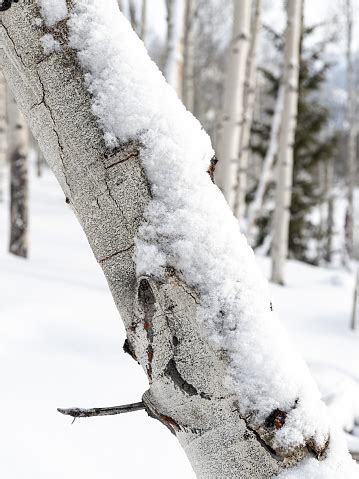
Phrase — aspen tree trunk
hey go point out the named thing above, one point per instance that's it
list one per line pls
(232, 115)
(111, 192)
(3, 133)
(188, 71)
(133, 14)
(265, 175)
(173, 65)
(18, 153)
(249, 103)
(287, 134)
(352, 137)
(39, 162)
(143, 33)
(329, 175)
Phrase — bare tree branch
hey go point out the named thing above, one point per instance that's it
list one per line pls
(102, 411)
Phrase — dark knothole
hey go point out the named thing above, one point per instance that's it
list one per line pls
(6, 4)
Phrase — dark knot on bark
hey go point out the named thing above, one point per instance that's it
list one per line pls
(6, 4)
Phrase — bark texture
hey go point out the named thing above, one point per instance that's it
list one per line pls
(285, 154)
(18, 153)
(108, 192)
(233, 108)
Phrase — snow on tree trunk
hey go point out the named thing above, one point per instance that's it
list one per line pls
(286, 142)
(188, 70)
(352, 136)
(233, 108)
(3, 133)
(132, 161)
(256, 206)
(18, 152)
(249, 103)
(173, 65)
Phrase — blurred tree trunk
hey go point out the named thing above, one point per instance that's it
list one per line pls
(256, 205)
(286, 141)
(133, 15)
(233, 108)
(39, 162)
(3, 133)
(188, 71)
(173, 64)
(18, 153)
(352, 136)
(329, 176)
(249, 103)
(143, 33)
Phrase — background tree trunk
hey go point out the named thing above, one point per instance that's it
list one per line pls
(352, 136)
(3, 133)
(188, 70)
(265, 174)
(329, 176)
(18, 153)
(249, 104)
(143, 34)
(133, 15)
(285, 155)
(173, 65)
(232, 116)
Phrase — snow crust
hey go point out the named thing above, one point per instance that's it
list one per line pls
(53, 11)
(189, 226)
(49, 44)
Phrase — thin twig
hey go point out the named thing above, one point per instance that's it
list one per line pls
(102, 411)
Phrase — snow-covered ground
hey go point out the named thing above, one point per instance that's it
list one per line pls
(61, 345)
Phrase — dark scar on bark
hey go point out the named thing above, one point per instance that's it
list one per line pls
(212, 167)
(172, 372)
(276, 419)
(147, 301)
(6, 4)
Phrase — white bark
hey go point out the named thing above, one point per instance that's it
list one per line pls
(173, 65)
(3, 133)
(352, 136)
(256, 206)
(249, 103)
(108, 192)
(287, 134)
(188, 71)
(232, 115)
